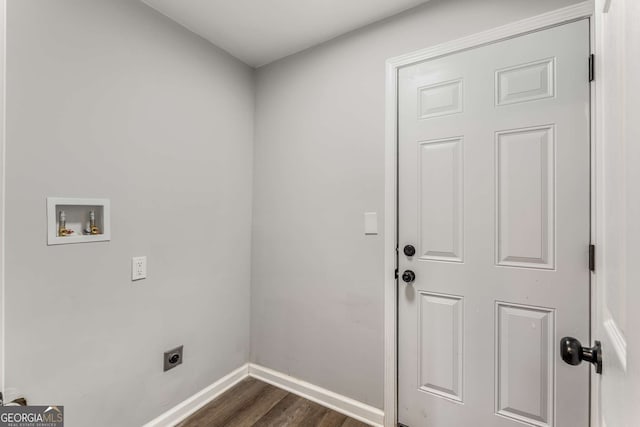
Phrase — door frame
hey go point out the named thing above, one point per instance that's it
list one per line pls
(3, 152)
(584, 10)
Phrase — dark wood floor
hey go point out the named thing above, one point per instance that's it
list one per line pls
(254, 403)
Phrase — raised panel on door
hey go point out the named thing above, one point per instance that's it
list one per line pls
(525, 165)
(440, 99)
(525, 363)
(525, 82)
(440, 193)
(440, 345)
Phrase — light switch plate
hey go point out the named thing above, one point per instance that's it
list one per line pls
(370, 223)
(138, 268)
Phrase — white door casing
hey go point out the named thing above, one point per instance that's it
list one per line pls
(616, 399)
(494, 194)
(3, 41)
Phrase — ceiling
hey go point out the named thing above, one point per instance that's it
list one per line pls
(261, 31)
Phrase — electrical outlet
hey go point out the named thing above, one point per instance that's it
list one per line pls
(172, 358)
(139, 268)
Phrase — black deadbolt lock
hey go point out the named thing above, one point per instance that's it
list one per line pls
(574, 353)
(408, 276)
(409, 250)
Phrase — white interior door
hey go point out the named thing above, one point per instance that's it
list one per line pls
(494, 195)
(617, 278)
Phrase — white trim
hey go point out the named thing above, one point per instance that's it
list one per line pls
(596, 191)
(345, 405)
(518, 28)
(3, 157)
(182, 410)
(342, 404)
(618, 342)
(514, 29)
(390, 253)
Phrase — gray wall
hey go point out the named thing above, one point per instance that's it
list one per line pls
(107, 98)
(317, 281)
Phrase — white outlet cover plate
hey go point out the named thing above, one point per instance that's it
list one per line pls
(138, 268)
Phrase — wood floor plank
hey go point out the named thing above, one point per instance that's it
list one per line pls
(332, 419)
(223, 408)
(252, 403)
(350, 422)
(260, 406)
(293, 411)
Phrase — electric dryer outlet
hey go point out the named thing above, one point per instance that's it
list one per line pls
(173, 358)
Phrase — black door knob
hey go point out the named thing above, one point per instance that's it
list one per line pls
(409, 250)
(574, 353)
(408, 276)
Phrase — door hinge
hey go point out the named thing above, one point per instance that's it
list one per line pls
(592, 67)
(592, 258)
(396, 273)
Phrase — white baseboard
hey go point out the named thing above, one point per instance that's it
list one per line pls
(182, 410)
(344, 405)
